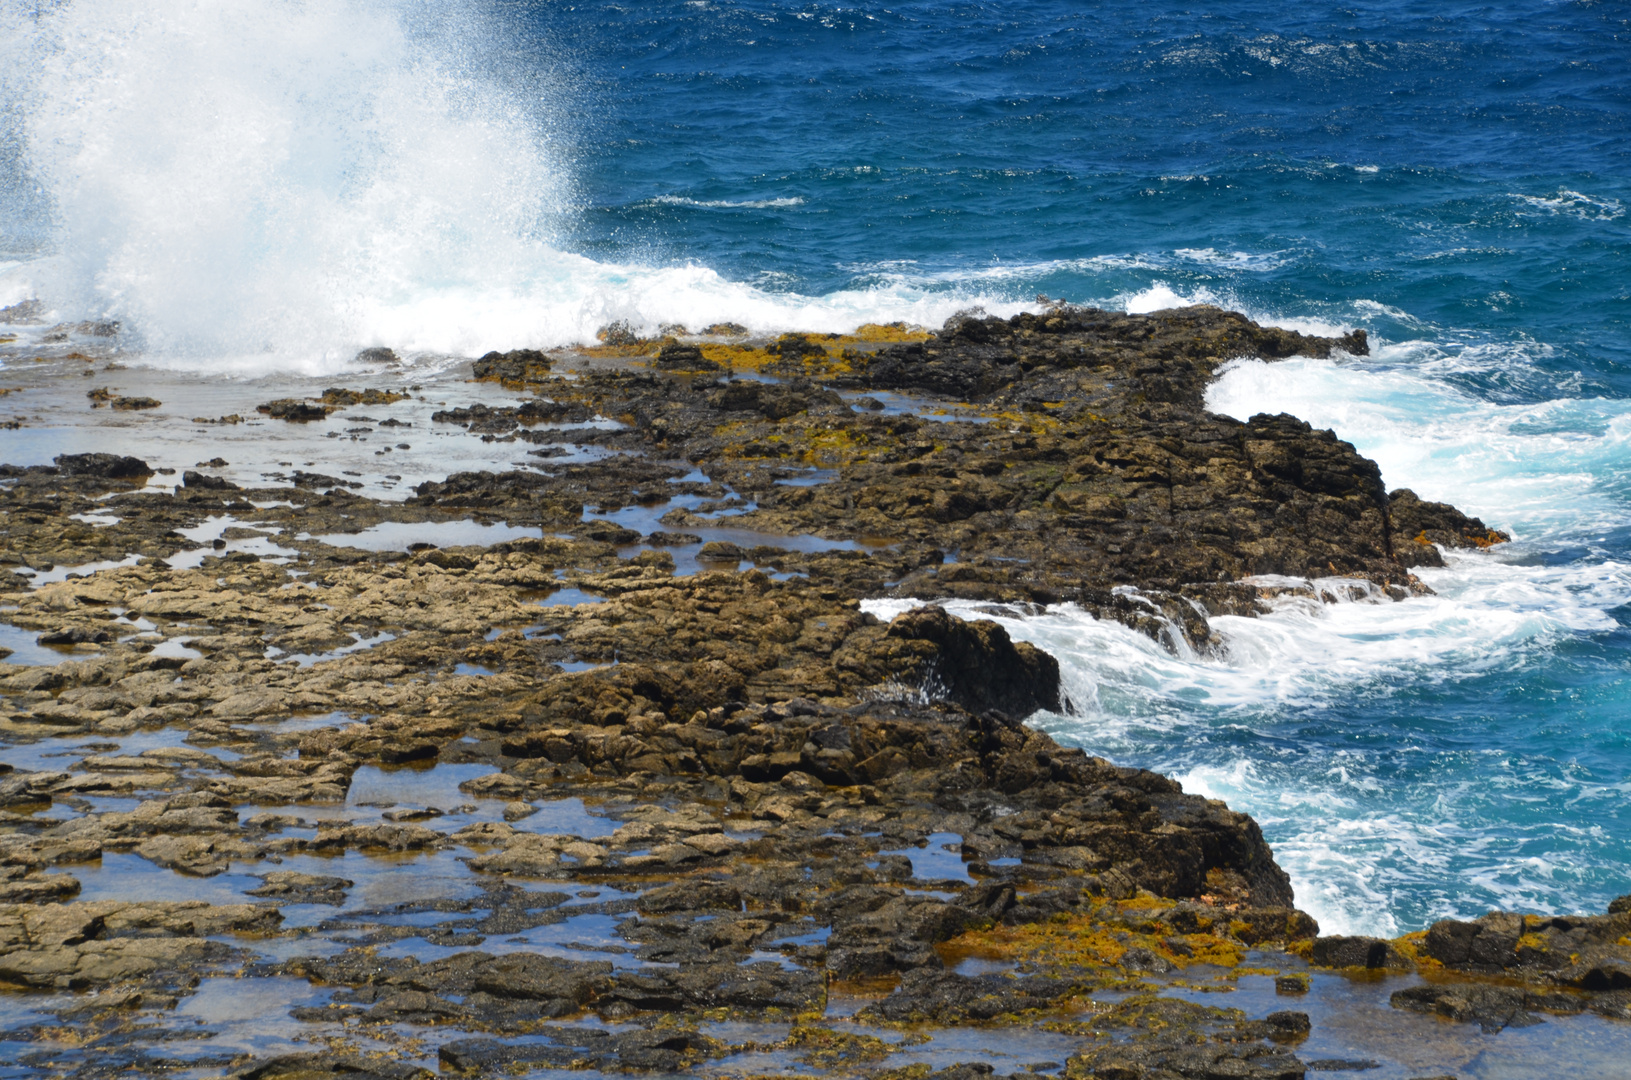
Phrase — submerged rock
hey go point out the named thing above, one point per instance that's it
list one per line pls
(1490, 1007)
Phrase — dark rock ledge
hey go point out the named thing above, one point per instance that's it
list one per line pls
(808, 803)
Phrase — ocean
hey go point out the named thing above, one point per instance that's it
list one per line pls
(255, 187)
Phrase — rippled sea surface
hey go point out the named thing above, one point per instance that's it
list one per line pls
(260, 187)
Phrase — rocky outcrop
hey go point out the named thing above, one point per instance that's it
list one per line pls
(295, 410)
(939, 657)
(103, 466)
(515, 366)
(1420, 528)
(1101, 481)
(1586, 952)
(1171, 356)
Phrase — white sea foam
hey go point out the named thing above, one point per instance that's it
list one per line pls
(253, 175)
(1248, 261)
(1352, 850)
(1161, 295)
(1574, 204)
(727, 204)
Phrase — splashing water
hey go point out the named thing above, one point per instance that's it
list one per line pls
(247, 177)
(251, 184)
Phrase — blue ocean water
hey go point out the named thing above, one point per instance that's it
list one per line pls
(256, 184)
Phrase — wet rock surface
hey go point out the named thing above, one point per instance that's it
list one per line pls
(636, 785)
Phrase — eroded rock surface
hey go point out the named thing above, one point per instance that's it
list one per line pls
(666, 783)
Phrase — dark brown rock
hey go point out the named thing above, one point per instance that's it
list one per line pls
(1418, 525)
(103, 466)
(1490, 1007)
(1362, 952)
(974, 664)
(678, 357)
(293, 409)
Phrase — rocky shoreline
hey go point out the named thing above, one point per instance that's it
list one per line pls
(682, 794)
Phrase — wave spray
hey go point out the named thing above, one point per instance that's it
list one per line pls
(242, 178)
(263, 185)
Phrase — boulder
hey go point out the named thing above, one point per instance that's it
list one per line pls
(103, 466)
(1360, 952)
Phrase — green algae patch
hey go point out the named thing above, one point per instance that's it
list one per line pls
(825, 1048)
(824, 446)
(835, 446)
(1155, 1014)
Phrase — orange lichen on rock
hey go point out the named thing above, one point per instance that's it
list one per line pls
(1100, 937)
(792, 353)
(1410, 946)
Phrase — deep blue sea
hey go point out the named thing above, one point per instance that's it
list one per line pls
(254, 186)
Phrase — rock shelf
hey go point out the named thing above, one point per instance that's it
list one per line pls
(421, 808)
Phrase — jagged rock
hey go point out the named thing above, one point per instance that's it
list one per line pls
(191, 478)
(678, 357)
(944, 997)
(196, 855)
(517, 365)
(1419, 525)
(343, 398)
(71, 946)
(636, 1051)
(563, 986)
(18, 886)
(974, 664)
(76, 635)
(691, 896)
(744, 987)
(1202, 1063)
(1575, 950)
